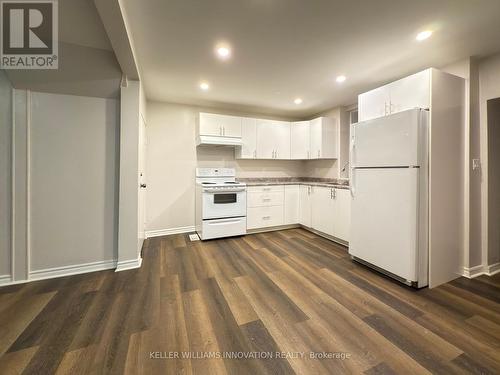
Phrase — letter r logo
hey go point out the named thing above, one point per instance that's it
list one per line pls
(27, 27)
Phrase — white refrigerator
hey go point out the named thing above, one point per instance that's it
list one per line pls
(389, 188)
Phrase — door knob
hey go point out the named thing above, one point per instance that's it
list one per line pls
(143, 186)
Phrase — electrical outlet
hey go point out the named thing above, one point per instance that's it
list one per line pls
(476, 164)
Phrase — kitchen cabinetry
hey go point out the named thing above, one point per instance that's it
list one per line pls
(248, 149)
(273, 139)
(212, 124)
(265, 206)
(268, 139)
(292, 204)
(300, 140)
(341, 213)
(322, 206)
(407, 93)
(324, 138)
(305, 192)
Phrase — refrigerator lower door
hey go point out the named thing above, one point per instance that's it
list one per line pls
(397, 140)
(384, 219)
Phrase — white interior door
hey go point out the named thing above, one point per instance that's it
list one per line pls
(384, 219)
(142, 180)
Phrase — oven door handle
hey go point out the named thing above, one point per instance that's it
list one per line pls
(224, 221)
(223, 191)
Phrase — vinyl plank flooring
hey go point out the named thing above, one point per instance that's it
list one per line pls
(288, 293)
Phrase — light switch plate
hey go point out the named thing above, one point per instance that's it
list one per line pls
(476, 164)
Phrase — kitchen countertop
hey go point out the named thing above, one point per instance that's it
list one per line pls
(268, 181)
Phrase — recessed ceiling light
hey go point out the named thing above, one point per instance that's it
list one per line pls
(204, 86)
(423, 35)
(298, 101)
(341, 79)
(223, 52)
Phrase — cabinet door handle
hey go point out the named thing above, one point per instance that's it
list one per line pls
(266, 217)
(276, 154)
(223, 130)
(220, 130)
(308, 154)
(390, 107)
(266, 199)
(319, 153)
(255, 154)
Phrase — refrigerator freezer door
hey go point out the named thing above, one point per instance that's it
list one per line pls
(389, 141)
(384, 219)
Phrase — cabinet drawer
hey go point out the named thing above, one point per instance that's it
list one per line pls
(265, 189)
(272, 198)
(262, 217)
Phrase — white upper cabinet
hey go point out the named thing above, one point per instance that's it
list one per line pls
(374, 103)
(324, 138)
(411, 92)
(248, 149)
(407, 93)
(300, 140)
(212, 124)
(273, 139)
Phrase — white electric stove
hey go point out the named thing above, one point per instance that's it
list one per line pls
(221, 203)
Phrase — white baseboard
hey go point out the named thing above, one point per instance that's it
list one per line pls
(128, 264)
(166, 232)
(493, 269)
(50, 273)
(5, 279)
(488, 270)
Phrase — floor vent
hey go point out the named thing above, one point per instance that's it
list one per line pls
(194, 237)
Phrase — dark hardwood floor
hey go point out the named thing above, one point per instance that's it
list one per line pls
(275, 298)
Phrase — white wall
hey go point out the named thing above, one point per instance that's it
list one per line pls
(129, 241)
(5, 173)
(489, 88)
(73, 180)
(171, 160)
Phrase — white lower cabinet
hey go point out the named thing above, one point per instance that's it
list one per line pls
(265, 206)
(342, 214)
(305, 205)
(292, 204)
(325, 209)
(322, 209)
(262, 217)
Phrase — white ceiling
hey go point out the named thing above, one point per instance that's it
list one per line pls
(87, 63)
(283, 49)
